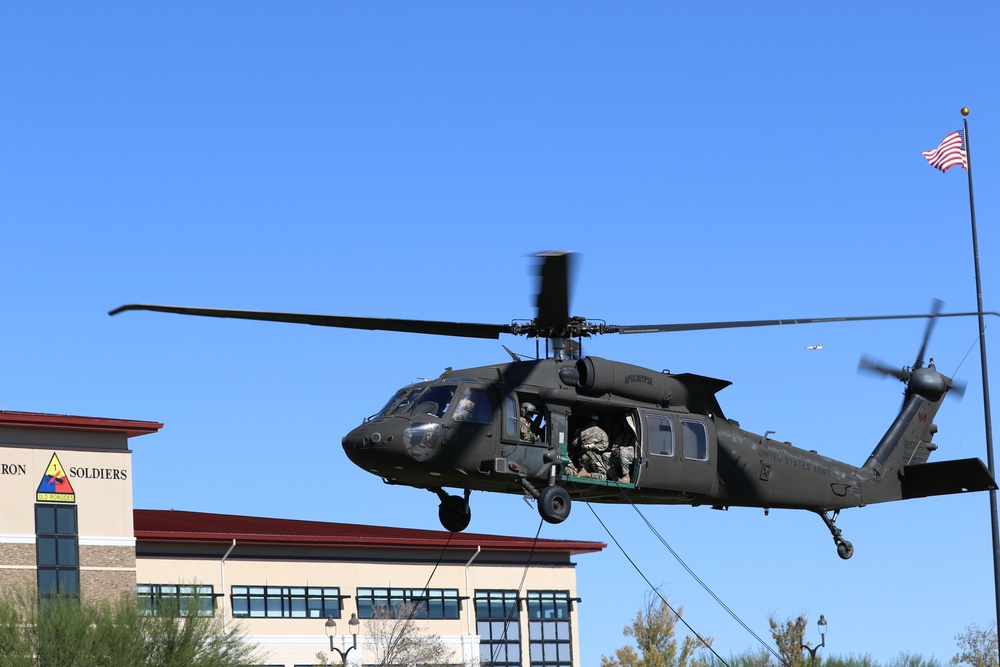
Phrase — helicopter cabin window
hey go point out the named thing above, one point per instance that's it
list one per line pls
(474, 406)
(660, 434)
(695, 440)
(435, 400)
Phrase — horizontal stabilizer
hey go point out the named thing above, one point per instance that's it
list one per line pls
(945, 477)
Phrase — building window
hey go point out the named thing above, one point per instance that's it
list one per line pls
(431, 603)
(498, 627)
(286, 602)
(182, 600)
(57, 545)
(549, 641)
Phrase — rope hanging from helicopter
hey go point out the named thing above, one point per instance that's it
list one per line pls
(698, 579)
(657, 592)
(520, 587)
(390, 650)
(690, 571)
(509, 618)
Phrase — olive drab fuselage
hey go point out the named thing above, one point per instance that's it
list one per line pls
(462, 430)
(558, 428)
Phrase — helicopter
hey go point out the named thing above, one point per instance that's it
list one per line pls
(526, 426)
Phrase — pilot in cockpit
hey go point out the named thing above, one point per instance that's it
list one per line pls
(529, 422)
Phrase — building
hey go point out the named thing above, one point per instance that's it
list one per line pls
(69, 526)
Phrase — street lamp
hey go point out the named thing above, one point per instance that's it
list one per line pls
(331, 631)
(821, 624)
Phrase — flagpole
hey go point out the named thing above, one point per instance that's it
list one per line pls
(982, 357)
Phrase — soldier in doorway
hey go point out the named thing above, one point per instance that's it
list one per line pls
(587, 452)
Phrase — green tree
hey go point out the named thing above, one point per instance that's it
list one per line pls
(977, 646)
(788, 636)
(59, 631)
(395, 638)
(654, 631)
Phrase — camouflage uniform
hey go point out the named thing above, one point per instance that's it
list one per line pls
(526, 433)
(591, 444)
(618, 462)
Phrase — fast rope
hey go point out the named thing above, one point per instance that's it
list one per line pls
(510, 615)
(413, 608)
(701, 583)
(652, 587)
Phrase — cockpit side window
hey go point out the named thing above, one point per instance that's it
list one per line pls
(435, 400)
(510, 418)
(474, 406)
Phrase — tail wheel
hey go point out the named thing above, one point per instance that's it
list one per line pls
(554, 504)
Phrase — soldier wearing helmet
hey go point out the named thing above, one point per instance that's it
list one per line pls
(587, 450)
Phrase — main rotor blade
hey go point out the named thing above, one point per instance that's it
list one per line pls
(936, 306)
(463, 329)
(700, 326)
(553, 291)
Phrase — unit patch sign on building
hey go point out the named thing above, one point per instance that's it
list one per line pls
(55, 486)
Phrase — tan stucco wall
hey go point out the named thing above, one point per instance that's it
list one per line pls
(102, 486)
(296, 641)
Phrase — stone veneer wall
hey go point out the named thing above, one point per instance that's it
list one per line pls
(106, 572)
(17, 576)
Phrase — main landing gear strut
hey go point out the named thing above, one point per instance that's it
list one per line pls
(455, 515)
(553, 501)
(454, 512)
(844, 548)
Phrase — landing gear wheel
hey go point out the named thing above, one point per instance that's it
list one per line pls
(554, 504)
(844, 548)
(454, 513)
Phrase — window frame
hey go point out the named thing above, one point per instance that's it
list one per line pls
(499, 633)
(282, 601)
(550, 628)
(65, 546)
(650, 434)
(183, 598)
(700, 439)
(431, 603)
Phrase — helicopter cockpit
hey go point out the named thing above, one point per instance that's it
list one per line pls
(473, 405)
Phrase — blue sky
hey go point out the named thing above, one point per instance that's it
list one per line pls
(710, 161)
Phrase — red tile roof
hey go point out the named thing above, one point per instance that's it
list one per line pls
(204, 528)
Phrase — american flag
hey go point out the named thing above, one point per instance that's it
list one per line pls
(950, 153)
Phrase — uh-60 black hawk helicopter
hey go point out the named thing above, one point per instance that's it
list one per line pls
(513, 427)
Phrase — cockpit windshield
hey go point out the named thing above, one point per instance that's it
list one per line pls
(435, 400)
(423, 398)
(401, 400)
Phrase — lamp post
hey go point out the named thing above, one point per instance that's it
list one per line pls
(331, 631)
(821, 624)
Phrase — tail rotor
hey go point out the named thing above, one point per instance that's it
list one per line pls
(924, 381)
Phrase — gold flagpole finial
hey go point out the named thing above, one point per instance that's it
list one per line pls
(965, 111)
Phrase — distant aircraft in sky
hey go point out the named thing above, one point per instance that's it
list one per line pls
(818, 346)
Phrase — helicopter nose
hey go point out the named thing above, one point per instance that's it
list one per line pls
(361, 447)
(363, 438)
(393, 442)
